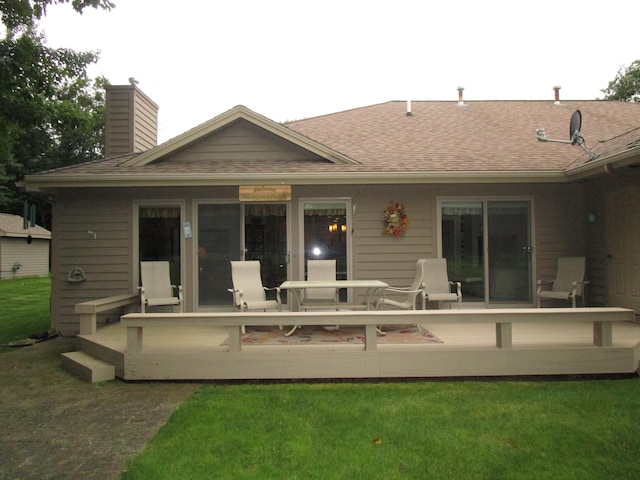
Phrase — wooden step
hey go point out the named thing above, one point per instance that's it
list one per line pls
(87, 367)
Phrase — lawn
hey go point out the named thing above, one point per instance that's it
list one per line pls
(569, 429)
(24, 309)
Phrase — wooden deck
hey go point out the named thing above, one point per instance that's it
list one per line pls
(195, 350)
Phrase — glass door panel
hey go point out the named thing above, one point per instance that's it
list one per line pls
(463, 247)
(509, 251)
(325, 236)
(218, 242)
(265, 239)
(159, 237)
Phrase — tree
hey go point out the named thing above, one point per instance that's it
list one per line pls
(626, 85)
(51, 113)
(22, 13)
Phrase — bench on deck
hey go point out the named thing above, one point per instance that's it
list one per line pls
(600, 317)
(88, 311)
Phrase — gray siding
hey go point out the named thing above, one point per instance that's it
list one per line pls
(242, 141)
(131, 121)
(106, 260)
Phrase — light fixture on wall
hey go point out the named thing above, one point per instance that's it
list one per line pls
(333, 228)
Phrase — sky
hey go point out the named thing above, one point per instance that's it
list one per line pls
(295, 59)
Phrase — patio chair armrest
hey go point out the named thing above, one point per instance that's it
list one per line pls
(458, 286)
(240, 297)
(179, 288)
(401, 290)
(277, 289)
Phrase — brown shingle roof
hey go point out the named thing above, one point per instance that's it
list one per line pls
(485, 135)
(439, 138)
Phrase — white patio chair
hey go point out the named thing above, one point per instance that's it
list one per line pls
(319, 270)
(248, 291)
(156, 289)
(407, 300)
(437, 287)
(569, 282)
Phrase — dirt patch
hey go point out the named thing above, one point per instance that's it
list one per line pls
(55, 426)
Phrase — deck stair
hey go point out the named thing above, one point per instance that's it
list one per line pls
(87, 367)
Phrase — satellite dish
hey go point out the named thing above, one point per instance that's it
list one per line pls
(574, 127)
(575, 137)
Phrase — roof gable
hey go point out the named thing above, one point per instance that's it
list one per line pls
(13, 226)
(226, 120)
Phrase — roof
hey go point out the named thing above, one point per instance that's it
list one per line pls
(12, 226)
(441, 141)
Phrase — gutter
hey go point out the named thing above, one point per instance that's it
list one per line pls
(606, 165)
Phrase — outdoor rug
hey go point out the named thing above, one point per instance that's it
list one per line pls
(394, 334)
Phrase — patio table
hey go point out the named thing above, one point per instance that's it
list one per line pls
(297, 287)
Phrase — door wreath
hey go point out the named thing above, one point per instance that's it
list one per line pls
(396, 220)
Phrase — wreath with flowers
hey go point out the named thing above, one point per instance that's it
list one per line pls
(396, 221)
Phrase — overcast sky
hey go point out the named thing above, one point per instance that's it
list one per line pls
(293, 59)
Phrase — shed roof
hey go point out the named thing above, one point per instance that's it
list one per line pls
(12, 226)
(478, 141)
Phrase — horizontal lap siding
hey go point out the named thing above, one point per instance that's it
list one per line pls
(105, 259)
(559, 225)
(385, 257)
(243, 141)
(33, 258)
(146, 124)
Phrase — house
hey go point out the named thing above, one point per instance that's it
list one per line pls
(473, 177)
(23, 252)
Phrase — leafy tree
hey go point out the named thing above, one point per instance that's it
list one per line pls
(22, 13)
(51, 113)
(626, 85)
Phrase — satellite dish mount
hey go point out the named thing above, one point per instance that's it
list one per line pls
(575, 137)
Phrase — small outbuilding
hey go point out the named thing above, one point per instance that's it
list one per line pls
(23, 252)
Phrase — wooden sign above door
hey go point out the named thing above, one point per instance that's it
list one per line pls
(265, 193)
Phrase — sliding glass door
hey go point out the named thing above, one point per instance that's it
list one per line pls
(237, 231)
(487, 244)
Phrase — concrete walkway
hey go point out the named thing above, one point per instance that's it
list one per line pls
(54, 426)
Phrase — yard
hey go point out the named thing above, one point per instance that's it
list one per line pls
(552, 427)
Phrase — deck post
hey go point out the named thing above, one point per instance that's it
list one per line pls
(134, 339)
(235, 336)
(370, 337)
(602, 334)
(88, 323)
(504, 337)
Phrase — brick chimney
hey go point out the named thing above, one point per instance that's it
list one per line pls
(131, 120)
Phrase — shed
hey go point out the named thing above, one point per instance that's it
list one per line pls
(23, 252)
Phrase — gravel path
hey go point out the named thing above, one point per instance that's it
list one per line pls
(55, 426)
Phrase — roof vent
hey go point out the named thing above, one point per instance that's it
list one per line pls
(557, 95)
(409, 108)
(460, 98)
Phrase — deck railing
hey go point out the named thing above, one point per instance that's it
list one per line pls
(600, 317)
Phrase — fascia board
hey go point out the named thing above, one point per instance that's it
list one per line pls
(347, 178)
(599, 165)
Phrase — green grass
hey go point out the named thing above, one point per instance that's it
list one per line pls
(24, 309)
(428, 430)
